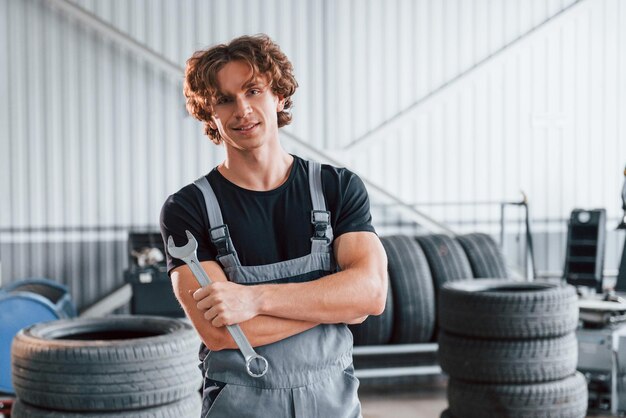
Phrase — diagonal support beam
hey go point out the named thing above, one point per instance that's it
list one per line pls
(449, 87)
(122, 39)
(131, 45)
(400, 206)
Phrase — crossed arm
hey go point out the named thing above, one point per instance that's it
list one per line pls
(272, 312)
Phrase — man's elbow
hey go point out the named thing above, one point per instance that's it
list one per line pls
(214, 346)
(358, 320)
(215, 340)
(378, 306)
(379, 294)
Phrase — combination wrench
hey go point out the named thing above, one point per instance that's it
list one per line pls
(187, 253)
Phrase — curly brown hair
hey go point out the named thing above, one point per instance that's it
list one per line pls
(264, 57)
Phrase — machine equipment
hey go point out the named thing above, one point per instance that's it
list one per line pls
(602, 339)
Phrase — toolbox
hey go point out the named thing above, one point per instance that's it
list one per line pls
(147, 275)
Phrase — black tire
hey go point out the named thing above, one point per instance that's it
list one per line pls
(412, 287)
(565, 398)
(508, 361)
(484, 255)
(446, 258)
(375, 330)
(191, 407)
(499, 309)
(105, 364)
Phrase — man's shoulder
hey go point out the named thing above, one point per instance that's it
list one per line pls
(337, 172)
(184, 193)
(341, 179)
(186, 197)
(330, 173)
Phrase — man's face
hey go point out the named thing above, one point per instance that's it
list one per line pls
(245, 109)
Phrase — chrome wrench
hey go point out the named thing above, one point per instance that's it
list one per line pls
(187, 253)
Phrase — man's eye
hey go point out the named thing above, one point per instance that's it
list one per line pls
(222, 100)
(254, 92)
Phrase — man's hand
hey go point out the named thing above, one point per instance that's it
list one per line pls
(348, 296)
(227, 303)
(260, 331)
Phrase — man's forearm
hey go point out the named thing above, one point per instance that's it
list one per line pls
(263, 330)
(260, 330)
(348, 296)
(360, 289)
(337, 298)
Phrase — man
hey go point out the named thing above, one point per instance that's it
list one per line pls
(288, 244)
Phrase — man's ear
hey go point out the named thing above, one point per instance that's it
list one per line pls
(281, 104)
(212, 122)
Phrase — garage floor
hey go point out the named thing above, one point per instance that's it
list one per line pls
(415, 401)
(426, 400)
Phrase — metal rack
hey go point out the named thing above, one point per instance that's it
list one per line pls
(396, 371)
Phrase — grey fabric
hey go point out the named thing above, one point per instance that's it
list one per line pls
(315, 184)
(319, 246)
(302, 359)
(229, 260)
(329, 397)
(320, 259)
(319, 204)
(212, 205)
(309, 373)
(216, 221)
(282, 270)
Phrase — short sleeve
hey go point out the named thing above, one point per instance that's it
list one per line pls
(352, 206)
(185, 211)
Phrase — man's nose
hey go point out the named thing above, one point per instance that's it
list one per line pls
(243, 107)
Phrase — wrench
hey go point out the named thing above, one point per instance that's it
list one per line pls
(187, 253)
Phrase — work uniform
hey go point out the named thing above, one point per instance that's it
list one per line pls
(309, 374)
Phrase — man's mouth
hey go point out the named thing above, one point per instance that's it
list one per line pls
(247, 127)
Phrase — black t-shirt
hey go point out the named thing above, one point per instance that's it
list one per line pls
(270, 226)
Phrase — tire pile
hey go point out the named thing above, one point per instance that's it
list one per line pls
(417, 268)
(510, 350)
(119, 366)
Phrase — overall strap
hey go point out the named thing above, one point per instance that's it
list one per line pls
(220, 237)
(320, 217)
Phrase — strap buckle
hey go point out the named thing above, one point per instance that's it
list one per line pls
(321, 220)
(220, 237)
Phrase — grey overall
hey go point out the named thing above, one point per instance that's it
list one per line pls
(310, 374)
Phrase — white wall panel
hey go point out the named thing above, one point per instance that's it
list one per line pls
(535, 134)
(93, 138)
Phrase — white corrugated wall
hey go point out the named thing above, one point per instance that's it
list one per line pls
(439, 102)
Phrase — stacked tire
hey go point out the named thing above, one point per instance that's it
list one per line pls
(484, 255)
(409, 315)
(510, 350)
(446, 258)
(418, 267)
(121, 366)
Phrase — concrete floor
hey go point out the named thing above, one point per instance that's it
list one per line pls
(415, 400)
(424, 400)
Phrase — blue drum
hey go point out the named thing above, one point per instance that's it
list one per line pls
(25, 303)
